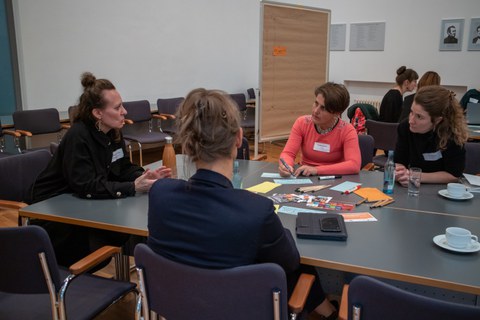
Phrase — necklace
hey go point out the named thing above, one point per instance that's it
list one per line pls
(325, 131)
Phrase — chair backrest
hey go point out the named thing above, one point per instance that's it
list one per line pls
(244, 151)
(472, 158)
(138, 111)
(384, 134)
(251, 93)
(19, 171)
(169, 105)
(40, 121)
(178, 291)
(366, 143)
(20, 268)
(378, 301)
(240, 100)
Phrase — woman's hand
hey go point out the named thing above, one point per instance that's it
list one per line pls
(159, 173)
(401, 174)
(306, 171)
(283, 171)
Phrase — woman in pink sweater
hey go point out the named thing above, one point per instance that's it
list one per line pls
(328, 144)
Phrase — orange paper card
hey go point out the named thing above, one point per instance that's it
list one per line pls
(372, 194)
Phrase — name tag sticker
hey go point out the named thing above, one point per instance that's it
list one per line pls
(473, 100)
(432, 156)
(322, 147)
(117, 154)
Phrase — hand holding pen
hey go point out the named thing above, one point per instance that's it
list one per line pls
(285, 168)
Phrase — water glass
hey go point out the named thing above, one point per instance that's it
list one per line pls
(414, 178)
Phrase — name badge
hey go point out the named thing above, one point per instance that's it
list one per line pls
(473, 100)
(322, 147)
(432, 156)
(117, 154)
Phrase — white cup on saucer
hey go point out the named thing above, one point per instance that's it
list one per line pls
(459, 237)
(456, 190)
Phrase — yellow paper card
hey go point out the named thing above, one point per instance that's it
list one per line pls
(263, 187)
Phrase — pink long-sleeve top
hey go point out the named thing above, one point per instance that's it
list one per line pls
(336, 152)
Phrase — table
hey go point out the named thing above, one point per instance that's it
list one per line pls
(398, 246)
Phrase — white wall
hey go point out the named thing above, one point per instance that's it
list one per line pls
(164, 48)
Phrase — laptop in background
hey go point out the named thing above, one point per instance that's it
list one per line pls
(473, 113)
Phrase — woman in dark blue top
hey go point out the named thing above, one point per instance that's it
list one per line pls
(433, 138)
(204, 221)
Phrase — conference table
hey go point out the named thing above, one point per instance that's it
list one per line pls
(398, 246)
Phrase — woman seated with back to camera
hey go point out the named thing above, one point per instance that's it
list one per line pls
(328, 144)
(433, 138)
(231, 227)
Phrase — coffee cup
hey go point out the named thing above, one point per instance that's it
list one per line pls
(459, 237)
(456, 190)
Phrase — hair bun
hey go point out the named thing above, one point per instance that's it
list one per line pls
(88, 80)
(401, 70)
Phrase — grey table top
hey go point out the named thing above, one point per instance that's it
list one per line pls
(398, 246)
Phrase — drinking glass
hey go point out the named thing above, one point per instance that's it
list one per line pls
(414, 178)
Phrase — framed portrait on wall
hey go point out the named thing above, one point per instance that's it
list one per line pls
(474, 35)
(451, 32)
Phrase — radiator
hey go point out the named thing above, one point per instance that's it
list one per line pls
(375, 103)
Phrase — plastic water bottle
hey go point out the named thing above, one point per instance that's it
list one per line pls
(389, 174)
(169, 159)
(237, 178)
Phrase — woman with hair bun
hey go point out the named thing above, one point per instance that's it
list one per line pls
(433, 138)
(391, 106)
(231, 227)
(91, 162)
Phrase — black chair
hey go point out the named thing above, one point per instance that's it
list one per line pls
(376, 300)
(366, 143)
(12, 133)
(251, 93)
(168, 108)
(247, 114)
(472, 158)
(140, 128)
(32, 285)
(244, 151)
(385, 136)
(38, 123)
(178, 291)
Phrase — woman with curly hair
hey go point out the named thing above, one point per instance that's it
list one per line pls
(433, 138)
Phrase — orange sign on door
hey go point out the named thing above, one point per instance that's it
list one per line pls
(279, 51)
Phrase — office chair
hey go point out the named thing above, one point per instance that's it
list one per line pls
(366, 143)
(168, 108)
(141, 129)
(178, 291)
(376, 300)
(34, 287)
(15, 136)
(472, 158)
(385, 136)
(247, 114)
(38, 123)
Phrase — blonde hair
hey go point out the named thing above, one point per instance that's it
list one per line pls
(440, 102)
(208, 122)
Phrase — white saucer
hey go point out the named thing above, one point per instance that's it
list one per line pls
(441, 241)
(465, 196)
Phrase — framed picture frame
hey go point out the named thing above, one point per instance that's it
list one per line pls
(451, 31)
(474, 35)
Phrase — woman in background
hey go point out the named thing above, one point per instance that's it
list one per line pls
(328, 144)
(231, 227)
(391, 106)
(429, 78)
(433, 138)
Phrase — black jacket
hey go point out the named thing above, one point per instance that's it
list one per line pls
(83, 165)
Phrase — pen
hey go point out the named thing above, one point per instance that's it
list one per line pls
(351, 190)
(287, 166)
(328, 177)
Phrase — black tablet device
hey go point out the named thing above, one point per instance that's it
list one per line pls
(328, 226)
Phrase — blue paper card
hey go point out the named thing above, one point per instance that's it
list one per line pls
(293, 181)
(295, 210)
(271, 175)
(344, 186)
